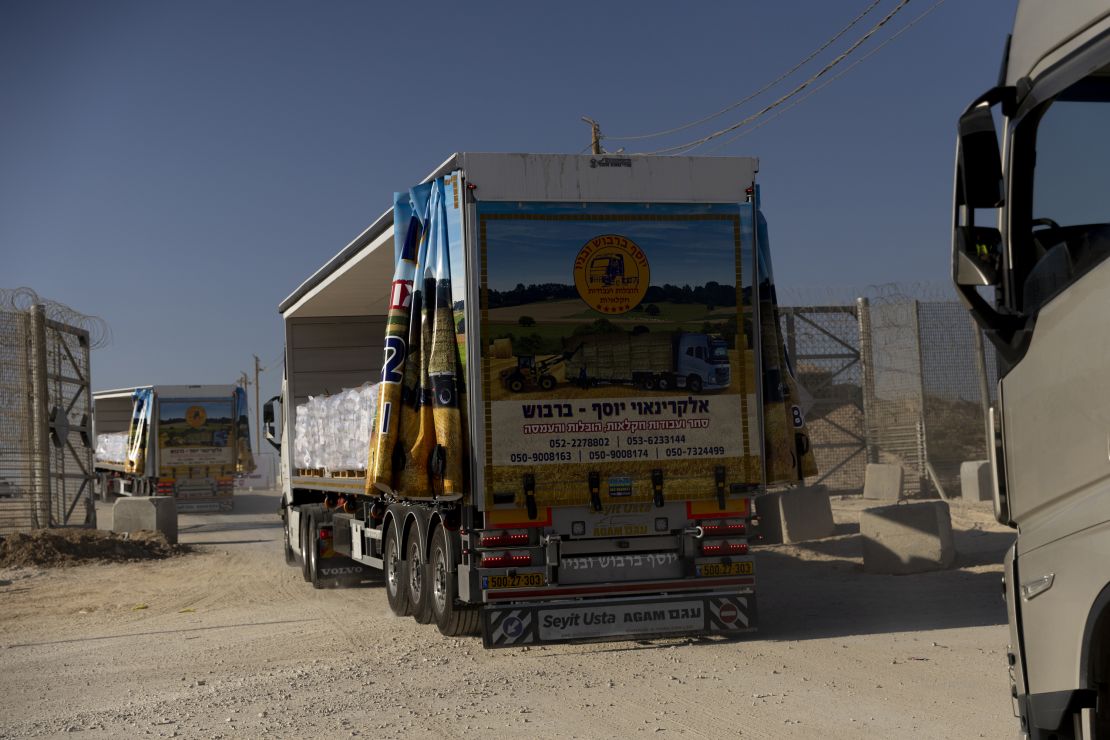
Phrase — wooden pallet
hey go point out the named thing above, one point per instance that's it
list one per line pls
(348, 474)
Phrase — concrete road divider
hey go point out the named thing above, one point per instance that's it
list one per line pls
(797, 515)
(155, 513)
(883, 482)
(976, 483)
(907, 538)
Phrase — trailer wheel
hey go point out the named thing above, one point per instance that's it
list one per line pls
(664, 383)
(649, 382)
(396, 591)
(547, 382)
(417, 582)
(453, 619)
(694, 383)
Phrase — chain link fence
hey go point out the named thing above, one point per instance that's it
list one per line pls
(895, 378)
(46, 446)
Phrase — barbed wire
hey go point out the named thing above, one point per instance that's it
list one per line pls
(23, 300)
(845, 295)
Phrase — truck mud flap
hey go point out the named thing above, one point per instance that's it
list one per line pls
(513, 625)
(342, 571)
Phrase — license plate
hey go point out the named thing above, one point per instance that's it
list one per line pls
(710, 570)
(520, 580)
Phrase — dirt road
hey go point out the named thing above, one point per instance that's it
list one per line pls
(230, 642)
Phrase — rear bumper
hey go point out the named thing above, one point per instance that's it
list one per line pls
(720, 613)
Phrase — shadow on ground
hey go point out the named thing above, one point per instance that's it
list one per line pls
(802, 598)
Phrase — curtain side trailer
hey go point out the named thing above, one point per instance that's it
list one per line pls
(557, 510)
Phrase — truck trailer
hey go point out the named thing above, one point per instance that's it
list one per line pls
(549, 512)
(185, 441)
(1029, 258)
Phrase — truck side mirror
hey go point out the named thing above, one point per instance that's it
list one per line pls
(977, 256)
(273, 430)
(979, 164)
(977, 251)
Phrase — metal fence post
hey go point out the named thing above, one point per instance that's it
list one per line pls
(40, 423)
(866, 361)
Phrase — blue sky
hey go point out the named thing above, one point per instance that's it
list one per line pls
(179, 168)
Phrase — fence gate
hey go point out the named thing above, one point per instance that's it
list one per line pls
(823, 343)
(46, 446)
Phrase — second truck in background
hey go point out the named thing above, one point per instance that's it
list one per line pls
(185, 441)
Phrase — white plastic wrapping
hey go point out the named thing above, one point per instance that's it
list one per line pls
(112, 447)
(333, 432)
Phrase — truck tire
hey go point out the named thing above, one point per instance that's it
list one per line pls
(649, 383)
(664, 383)
(396, 587)
(418, 581)
(693, 383)
(452, 618)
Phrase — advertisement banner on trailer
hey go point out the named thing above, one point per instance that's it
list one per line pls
(614, 345)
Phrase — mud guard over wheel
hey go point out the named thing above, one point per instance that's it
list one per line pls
(290, 555)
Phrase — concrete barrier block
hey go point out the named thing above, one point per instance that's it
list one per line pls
(883, 482)
(976, 483)
(907, 538)
(797, 515)
(155, 513)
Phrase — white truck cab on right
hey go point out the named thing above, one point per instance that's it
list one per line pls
(1030, 242)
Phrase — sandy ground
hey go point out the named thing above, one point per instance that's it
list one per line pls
(229, 642)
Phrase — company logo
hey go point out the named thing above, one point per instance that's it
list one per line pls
(195, 416)
(610, 162)
(611, 274)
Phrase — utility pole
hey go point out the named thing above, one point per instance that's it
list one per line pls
(257, 410)
(244, 383)
(595, 134)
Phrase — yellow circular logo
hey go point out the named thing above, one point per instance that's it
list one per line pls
(195, 416)
(611, 274)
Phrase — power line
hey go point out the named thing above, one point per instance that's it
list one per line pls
(831, 80)
(761, 90)
(690, 145)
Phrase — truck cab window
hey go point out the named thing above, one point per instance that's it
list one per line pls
(1069, 223)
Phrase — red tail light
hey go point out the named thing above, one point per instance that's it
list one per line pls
(503, 540)
(325, 533)
(723, 530)
(505, 560)
(725, 548)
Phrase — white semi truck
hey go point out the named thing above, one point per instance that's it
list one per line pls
(185, 441)
(559, 511)
(1031, 238)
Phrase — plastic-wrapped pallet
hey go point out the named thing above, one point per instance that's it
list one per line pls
(333, 432)
(111, 447)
